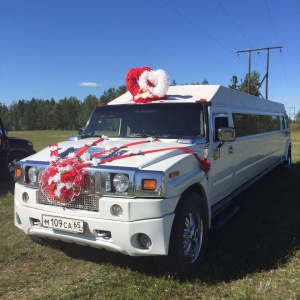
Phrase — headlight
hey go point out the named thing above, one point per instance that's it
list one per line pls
(32, 174)
(121, 183)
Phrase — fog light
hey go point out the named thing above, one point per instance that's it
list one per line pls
(25, 197)
(117, 210)
(144, 240)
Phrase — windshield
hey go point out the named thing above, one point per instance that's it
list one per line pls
(162, 120)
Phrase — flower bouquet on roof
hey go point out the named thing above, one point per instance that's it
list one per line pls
(146, 85)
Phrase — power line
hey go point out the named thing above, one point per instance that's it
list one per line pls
(236, 26)
(195, 25)
(272, 22)
(276, 36)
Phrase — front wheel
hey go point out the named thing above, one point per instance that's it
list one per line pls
(188, 237)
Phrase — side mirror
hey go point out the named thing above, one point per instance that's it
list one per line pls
(226, 134)
(80, 131)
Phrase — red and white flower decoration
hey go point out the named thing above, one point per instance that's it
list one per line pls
(146, 85)
(61, 181)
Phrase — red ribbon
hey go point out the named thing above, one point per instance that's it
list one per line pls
(86, 147)
(125, 146)
(54, 152)
(204, 163)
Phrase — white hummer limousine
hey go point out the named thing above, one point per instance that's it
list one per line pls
(149, 179)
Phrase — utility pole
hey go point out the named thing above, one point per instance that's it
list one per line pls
(249, 66)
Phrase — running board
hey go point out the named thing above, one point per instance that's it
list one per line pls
(224, 217)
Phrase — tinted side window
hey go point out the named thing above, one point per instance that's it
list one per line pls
(249, 124)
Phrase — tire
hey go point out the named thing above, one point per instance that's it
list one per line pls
(188, 239)
(11, 164)
(288, 162)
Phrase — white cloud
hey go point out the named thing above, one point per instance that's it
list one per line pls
(90, 84)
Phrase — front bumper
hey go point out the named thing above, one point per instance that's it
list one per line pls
(123, 233)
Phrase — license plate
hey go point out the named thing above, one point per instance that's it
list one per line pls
(71, 225)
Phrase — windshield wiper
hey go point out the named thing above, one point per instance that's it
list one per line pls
(142, 135)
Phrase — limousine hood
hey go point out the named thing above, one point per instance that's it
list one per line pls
(136, 153)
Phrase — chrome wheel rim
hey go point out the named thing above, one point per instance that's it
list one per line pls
(192, 236)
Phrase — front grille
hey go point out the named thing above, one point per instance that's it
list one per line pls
(83, 202)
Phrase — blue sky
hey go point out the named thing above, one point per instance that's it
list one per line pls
(63, 48)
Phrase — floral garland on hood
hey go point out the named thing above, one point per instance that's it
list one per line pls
(146, 85)
(62, 180)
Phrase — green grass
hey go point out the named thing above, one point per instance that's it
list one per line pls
(43, 138)
(255, 256)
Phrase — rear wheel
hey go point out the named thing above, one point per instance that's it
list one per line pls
(288, 161)
(188, 237)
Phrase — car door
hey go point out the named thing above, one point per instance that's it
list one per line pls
(222, 168)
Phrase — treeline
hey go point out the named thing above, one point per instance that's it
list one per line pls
(66, 114)
(71, 113)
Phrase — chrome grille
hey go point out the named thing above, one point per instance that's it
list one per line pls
(83, 202)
